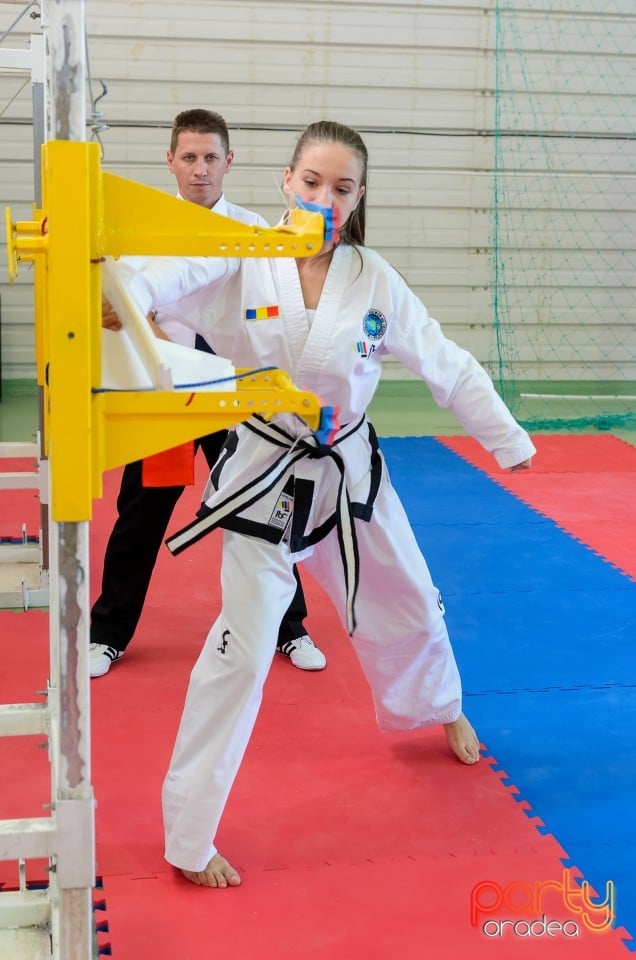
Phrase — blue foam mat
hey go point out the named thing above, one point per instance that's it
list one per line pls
(423, 467)
(541, 640)
(512, 557)
(568, 753)
(543, 629)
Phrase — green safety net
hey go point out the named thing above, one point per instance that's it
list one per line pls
(564, 212)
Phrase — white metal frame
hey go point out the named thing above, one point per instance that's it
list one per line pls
(32, 61)
(24, 577)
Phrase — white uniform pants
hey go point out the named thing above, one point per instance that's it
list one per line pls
(400, 639)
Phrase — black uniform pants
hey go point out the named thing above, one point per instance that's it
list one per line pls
(143, 517)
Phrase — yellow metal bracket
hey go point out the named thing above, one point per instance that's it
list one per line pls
(121, 419)
(140, 220)
(87, 215)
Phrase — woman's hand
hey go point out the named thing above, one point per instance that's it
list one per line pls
(110, 320)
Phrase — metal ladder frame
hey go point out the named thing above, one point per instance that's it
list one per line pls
(34, 62)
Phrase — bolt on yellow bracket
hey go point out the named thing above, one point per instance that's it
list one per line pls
(86, 216)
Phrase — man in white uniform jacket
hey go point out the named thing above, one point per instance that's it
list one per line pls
(199, 157)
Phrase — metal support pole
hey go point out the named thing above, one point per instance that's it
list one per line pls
(39, 100)
(67, 70)
(70, 583)
(73, 806)
(40, 114)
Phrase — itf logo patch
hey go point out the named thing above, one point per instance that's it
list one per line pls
(262, 313)
(362, 348)
(282, 512)
(374, 324)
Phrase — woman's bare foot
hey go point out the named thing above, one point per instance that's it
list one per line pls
(462, 740)
(218, 873)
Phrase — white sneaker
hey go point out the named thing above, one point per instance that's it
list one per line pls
(101, 657)
(303, 654)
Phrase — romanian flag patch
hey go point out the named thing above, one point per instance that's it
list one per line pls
(262, 313)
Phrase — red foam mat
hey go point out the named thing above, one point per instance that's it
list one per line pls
(559, 453)
(379, 909)
(351, 843)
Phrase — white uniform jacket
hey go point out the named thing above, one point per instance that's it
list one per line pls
(253, 312)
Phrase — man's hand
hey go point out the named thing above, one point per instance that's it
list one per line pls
(111, 321)
(154, 326)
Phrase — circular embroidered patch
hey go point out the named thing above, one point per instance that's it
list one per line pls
(374, 324)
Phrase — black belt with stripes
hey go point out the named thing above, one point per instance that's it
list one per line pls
(225, 513)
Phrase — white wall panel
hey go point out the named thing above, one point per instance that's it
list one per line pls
(418, 79)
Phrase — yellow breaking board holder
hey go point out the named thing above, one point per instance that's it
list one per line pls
(86, 215)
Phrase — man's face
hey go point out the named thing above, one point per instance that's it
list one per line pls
(200, 163)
